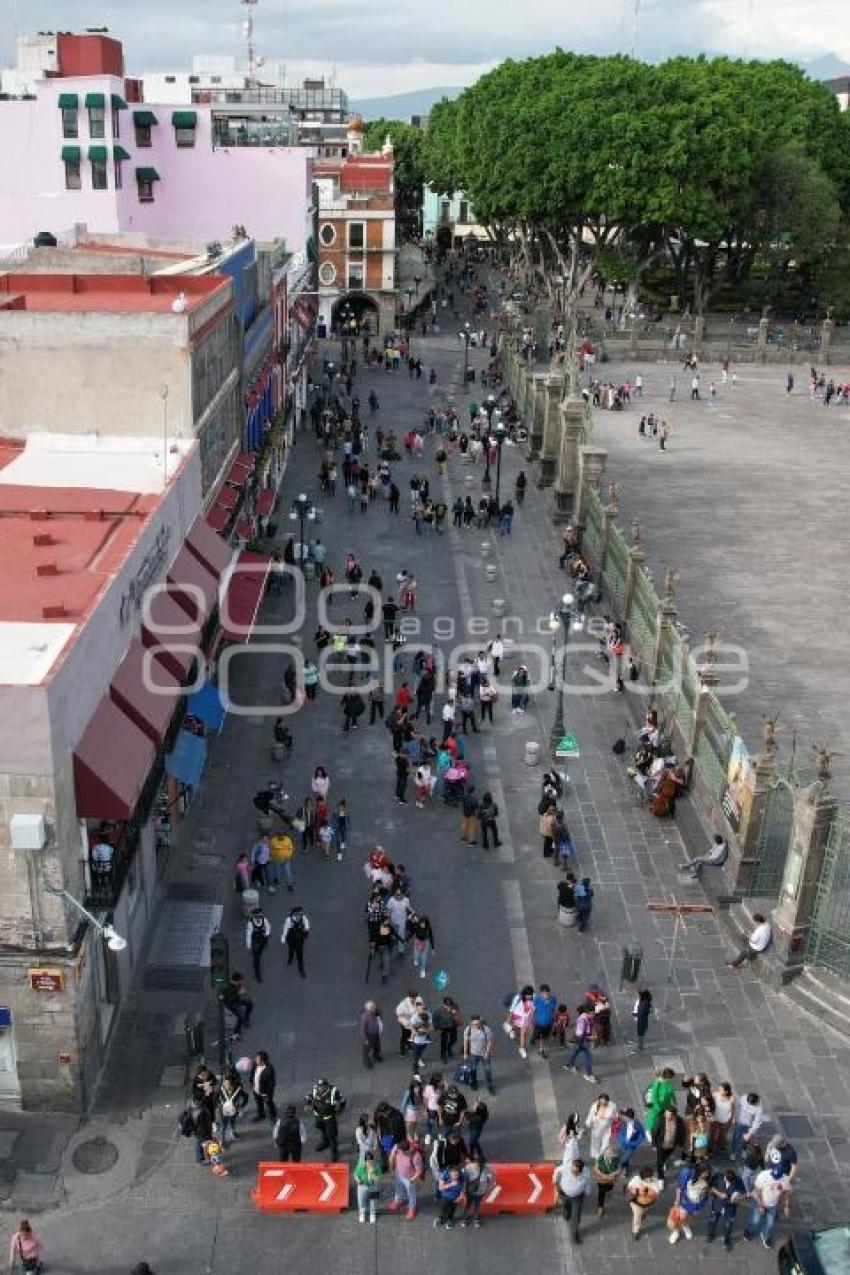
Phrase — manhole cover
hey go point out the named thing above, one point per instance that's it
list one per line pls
(96, 1155)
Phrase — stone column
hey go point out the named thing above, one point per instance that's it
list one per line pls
(761, 339)
(527, 397)
(664, 620)
(609, 517)
(592, 462)
(535, 416)
(708, 680)
(551, 386)
(568, 475)
(814, 811)
(636, 555)
(826, 331)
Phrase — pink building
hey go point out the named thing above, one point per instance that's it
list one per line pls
(81, 152)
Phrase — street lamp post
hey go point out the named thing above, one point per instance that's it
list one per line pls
(562, 617)
(302, 510)
(501, 433)
(465, 333)
(114, 941)
(163, 394)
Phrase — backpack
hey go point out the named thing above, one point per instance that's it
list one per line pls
(186, 1123)
(259, 938)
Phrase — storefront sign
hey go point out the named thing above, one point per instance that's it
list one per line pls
(46, 980)
(146, 574)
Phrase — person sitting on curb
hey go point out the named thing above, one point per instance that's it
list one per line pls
(716, 857)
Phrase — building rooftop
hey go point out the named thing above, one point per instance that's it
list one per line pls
(113, 293)
(93, 461)
(63, 538)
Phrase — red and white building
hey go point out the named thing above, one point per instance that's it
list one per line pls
(356, 234)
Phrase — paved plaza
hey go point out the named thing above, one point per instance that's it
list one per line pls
(748, 503)
(493, 913)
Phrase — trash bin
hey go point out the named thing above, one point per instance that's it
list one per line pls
(278, 752)
(194, 1029)
(532, 753)
(250, 900)
(567, 917)
(630, 970)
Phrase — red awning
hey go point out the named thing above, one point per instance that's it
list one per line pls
(218, 517)
(245, 529)
(145, 692)
(265, 502)
(243, 595)
(111, 763)
(240, 470)
(169, 629)
(195, 588)
(227, 497)
(215, 553)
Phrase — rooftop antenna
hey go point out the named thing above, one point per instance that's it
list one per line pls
(250, 47)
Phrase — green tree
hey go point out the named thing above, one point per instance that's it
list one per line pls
(407, 145)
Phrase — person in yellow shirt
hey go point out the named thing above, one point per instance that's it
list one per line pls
(281, 854)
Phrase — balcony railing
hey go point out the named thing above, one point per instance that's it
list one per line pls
(252, 133)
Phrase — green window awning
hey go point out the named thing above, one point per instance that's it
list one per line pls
(118, 103)
(70, 154)
(95, 99)
(147, 175)
(144, 118)
(184, 119)
(69, 102)
(119, 154)
(98, 154)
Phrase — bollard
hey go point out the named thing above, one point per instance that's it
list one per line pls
(485, 548)
(490, 572)
(278, 752)
(567, 917)
(532, 753)
(499, 606)
(469, 480)
(250, 900)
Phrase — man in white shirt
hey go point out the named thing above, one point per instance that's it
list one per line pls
(759, 941)
(405, 1012)
(715, 858)
(398, 906)
(771, 1188)
(572, 1181)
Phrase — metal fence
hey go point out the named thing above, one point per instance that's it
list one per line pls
(691, 713)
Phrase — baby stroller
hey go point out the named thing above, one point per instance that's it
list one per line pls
(455, 785)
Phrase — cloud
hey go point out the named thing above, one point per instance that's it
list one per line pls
(372, 42)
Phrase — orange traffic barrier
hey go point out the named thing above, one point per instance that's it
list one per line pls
(520, 1188)
(301, 1188)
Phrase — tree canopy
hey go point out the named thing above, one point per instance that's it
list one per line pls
(407, 144)
(714, 164)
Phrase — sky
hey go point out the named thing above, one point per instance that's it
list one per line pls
(377, 47)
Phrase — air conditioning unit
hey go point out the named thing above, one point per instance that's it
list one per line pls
(28, 832)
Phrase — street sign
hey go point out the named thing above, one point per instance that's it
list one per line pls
(567, 747)
(520, 1188)
(301, 1188)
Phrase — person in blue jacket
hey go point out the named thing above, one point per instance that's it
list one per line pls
(630, 1136)
(692, 1196)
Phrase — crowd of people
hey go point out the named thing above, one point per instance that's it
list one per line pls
(428, 1141)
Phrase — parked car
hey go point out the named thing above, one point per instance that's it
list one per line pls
(816, 1252)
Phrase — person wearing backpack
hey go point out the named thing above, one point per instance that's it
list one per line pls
(296, 929)
(257, 931)
(488, 814)
(584, 1041)
(289, 1136)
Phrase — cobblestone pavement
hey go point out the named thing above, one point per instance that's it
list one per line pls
(494, 920)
